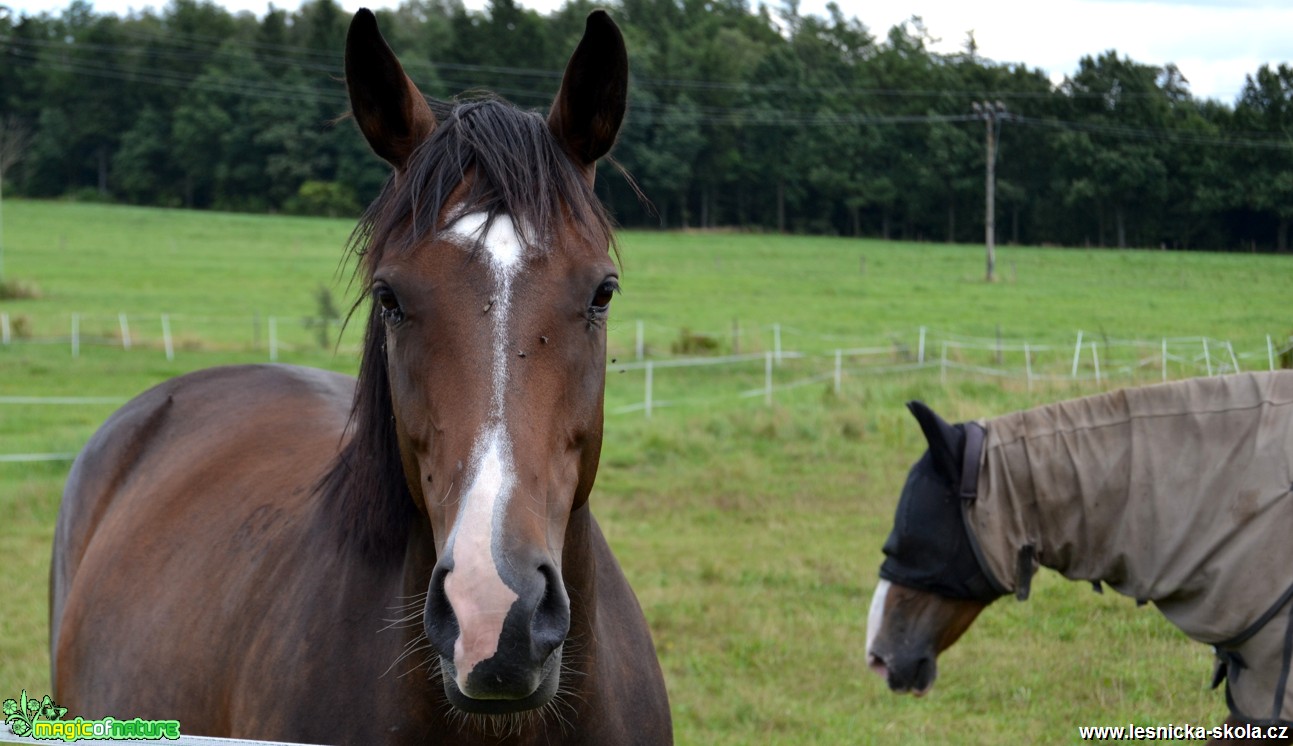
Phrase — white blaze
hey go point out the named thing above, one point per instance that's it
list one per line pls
(479, 597)
(876, 615)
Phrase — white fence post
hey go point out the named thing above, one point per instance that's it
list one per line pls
(1270, 352)
(76, 335)
(125, 330)
(1207, 357)
(273, 339)
(767, 377)
(1095, 357)
(1234, 361)
(646, 406)
(839, 364)
(1028, 366)
(1077, 353)
(166, 337)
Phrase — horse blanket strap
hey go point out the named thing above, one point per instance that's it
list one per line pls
(1226, 660)
(1261, 695)
(1025, 566)
(971, 460)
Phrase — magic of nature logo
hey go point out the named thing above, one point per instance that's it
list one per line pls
(43, 720)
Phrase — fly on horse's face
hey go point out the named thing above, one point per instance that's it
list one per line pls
(491, 285)
(932, 587)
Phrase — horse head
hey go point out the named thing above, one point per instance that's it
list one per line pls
(932, 585)
(487, 258)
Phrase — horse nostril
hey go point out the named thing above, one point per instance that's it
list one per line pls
(551, 621)
(877, 665)
(441, 623)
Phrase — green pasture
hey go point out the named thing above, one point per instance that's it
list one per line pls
(751, 533)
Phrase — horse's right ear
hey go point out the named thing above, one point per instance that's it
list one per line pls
(945, 442)
(589, 109)
(391, 112)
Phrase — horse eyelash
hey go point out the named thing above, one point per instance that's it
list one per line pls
(392, 316)
(597, 315)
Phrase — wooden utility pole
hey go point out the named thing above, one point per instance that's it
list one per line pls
(991, 113)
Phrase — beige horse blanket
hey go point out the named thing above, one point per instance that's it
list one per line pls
(1179, 494)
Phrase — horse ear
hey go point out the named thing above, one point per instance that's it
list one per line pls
(589, 108)
(391, 112)
(946, 443)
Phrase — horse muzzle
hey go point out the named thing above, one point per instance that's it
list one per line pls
(500, 651)
(905, 674)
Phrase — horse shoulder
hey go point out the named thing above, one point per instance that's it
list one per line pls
(193, 461)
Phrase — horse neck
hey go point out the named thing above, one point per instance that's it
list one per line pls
(1066, 491)
(1067, 515)
(1139, 488)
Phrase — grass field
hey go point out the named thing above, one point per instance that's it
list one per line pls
(751, 533)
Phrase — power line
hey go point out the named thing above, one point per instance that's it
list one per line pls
(267, 88)
(1171, 136)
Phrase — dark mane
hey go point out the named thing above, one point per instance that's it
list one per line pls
(516, 167)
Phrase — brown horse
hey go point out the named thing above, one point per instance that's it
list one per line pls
(1178, 494)
(275, 552)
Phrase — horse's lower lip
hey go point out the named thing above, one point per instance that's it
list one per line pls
(548, 684)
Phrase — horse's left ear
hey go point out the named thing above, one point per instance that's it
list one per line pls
(946, 443)
(391, 112)
(589, 108)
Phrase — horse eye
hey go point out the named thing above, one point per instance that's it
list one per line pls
(390, 305)
(607, 289)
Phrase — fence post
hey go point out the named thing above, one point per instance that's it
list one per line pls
(166, 337)
(1270, 348)
(76, 335)
(1207, 357)
(1095, 358)
(639, 346)
(273, 339)
(767, 378)
(1077, 354)
(920, 354)
(1234, 361)
(1028, 365)
(646, 407)
(125, 330)
(839, 355)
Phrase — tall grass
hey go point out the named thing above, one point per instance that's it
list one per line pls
(750, 533)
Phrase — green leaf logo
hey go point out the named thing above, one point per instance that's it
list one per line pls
(23, 713)
(19, 726)
(51, 711)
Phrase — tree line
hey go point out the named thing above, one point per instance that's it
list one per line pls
(760, 119)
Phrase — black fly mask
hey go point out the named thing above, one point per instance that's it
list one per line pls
(930, 548)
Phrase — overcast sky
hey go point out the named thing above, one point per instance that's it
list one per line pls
(1215, 43)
